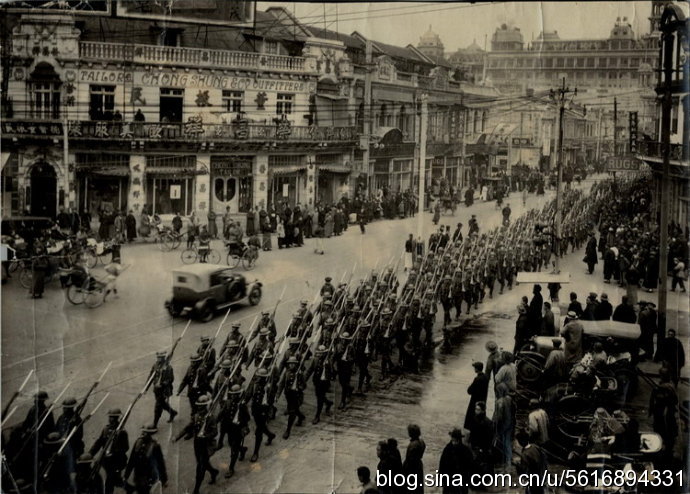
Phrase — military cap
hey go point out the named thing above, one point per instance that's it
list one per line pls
(114, 412)
(264, 332)
(85, 458)
(203, 400)
(235, 389)
(195, 357)
(149, 429)
(328, 279)
(226, 364)
(53, 438)
(491, 346)
(345, 336)
(233, 343)
(236, 325)
(262, 372)
(161, 354)
(321, 349)
(292, 360)
(69, 403)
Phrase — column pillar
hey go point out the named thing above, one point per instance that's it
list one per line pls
(136, 197)
(71, 179)
(311, 184)
(202, 186)
(260, 181)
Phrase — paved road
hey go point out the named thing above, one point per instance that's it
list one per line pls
(64, 343)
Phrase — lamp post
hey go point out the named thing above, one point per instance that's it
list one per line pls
(560, 96)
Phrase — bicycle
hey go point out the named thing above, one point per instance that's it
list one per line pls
(247, 254)
(169, 239)
(202, 253)
(96, 252)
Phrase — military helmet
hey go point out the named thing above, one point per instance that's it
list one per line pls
(41, 395)
(149, 429)
(345, 336)
(262, 372)
(114, 412)
(292, 360)
(233, 343)
(204, 339)
(236, 325)
(85, 458)
(235, 389)
(329, 322)
(69, 403)
(321, 349)
(264, 332)
(53, 438)
(203, 400)
(226, 364)
(161, 354)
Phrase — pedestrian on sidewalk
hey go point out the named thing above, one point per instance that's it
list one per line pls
(413, 464)
(671, 354)
(591, 253)
(410, 248)
(456, 459)
(478, 391)
(679, 275)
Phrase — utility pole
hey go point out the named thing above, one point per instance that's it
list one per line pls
(367, 117)
(615, 126)
(424, 116)
(598, 157)
(560, 96)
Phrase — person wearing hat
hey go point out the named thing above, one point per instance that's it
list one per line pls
(207, 352)
(320, 372)
(410, 248)
(292, 384)
(493, 360)
(163, 378)
(147, 462)
(344, 362)
(478, 391)
(227, 378)
(115, 443)
(572, 334)
(261, 396)
(647, 319)
(363, 350)
(235, 335)
(679, 275)
(482, 439)
(548, 323)
(57, 469)
(413, 464)
(38, 412)
(71, 419)
(575, 305)
(327, 288)
(88, 481)
(591, 257)
(234, 422)
(590, 307)
(445, 297)
(196, 380)
(456, 460)
(267, 322)
(261, 347)
(522, 329)
(671, 354)
(203, 428)
(604, 310)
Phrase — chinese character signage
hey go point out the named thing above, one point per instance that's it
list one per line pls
(32, 128)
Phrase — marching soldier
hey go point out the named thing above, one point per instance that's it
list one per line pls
(195, 380)
(327, 332)
(327, 288)
(68, 421)
(261, 397)
(444, 294)
(208, 353)
(362, 353)
(320, 372)
(385, 348)
(292, 384)
(57, 468)
(327, 312)
(234, 422)
(237, 337)
(491, 273)
(261, 347)
(115, 443)
(88, 481)
(203, 429)
(304, 312)
(457, 293)
(226, 379)
(344, 363)
(147, 462)
(295, 327)
(163, 377)
(233, 352)
(267, 322)
(428, 315)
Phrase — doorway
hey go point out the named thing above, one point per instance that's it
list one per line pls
(43, 190)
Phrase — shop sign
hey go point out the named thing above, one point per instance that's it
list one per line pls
(32, 128)
(234, 167)
(283, 127)
(623, 164)
(195, 81)
(175, 192)
(438, 162)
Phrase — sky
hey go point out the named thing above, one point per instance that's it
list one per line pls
(459, 24)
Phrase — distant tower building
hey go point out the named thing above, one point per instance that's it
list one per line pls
(430, 44)
(507, 39)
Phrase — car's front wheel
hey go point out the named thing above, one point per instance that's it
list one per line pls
(206, 312)
(255, 296)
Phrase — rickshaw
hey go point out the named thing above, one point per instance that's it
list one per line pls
(202, 289)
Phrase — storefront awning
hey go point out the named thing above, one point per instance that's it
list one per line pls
(285, 170)
(119, 171)
(334, 168)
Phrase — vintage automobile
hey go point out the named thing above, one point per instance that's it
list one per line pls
(202, 289)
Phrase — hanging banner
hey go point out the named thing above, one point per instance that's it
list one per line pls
(175, 191)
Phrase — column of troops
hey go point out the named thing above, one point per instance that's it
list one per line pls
(347, 327)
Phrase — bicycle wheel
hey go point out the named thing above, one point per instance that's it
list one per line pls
(176, 240)
(106, 258)
(188, 256)
(166, 243)
(213, 257)
(95, 296)
(233, 260)
(248, 261)
(26, 277)
(15, 264)
(76, 294)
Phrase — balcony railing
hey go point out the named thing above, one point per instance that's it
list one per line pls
(655, 150)
(191, 57)
(192, 130)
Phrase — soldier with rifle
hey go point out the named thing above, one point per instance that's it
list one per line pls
(208, 353)
(195, 380)
(292, 383)
(444, 294)
(71, 419)
(456, 292)
(344, 364)
(87, 481)
(58, 464)
(362, 354)
(114, 442)
(163, 378)
(265, 344)
(203, 429)
(261, 396)
(234, 422)
(327, 288)
(267, 322)
(321, 373)
(228, 377)
(147, 462)
(384, 343)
